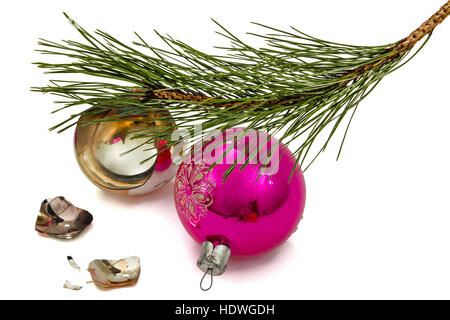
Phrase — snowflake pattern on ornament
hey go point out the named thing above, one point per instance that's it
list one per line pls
(193, 191)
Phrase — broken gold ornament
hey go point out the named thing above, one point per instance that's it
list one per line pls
(115, 273)
(102, 151)
(60, 219)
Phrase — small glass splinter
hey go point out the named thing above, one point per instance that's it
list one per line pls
(71, 286)
(73, 263)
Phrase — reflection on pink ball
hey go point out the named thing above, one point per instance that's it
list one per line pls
(250, 215)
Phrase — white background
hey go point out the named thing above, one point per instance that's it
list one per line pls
(376, 223)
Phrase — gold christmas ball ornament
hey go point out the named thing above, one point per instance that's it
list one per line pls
(112, 156)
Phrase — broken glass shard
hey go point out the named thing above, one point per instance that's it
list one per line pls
(72, 263)
(72, 286)
(115, 273)
(61, 219)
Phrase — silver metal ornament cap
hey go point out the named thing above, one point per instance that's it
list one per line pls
(213, 260)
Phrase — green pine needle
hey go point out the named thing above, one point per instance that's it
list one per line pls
(296, 86)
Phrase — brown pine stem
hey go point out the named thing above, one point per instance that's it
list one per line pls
(407, 43)
(426, 28)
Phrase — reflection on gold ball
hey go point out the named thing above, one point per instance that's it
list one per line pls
(101, 151)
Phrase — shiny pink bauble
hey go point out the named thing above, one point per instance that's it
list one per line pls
(250, 215)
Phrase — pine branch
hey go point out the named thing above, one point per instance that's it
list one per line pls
(297, 86)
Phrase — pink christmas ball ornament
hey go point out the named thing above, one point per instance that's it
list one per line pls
(254, 211)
